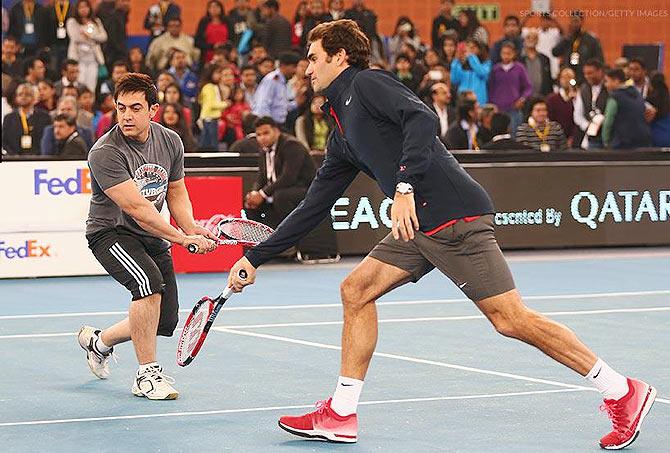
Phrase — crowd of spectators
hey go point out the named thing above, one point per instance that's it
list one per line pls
(538, 86)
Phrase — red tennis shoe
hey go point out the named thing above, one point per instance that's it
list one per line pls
(324, 424)
(627, 414)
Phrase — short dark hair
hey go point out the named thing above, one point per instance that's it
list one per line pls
(639, 61)
(263, 60)
(136, 82)
(173, 19)
(289, 58)
(249, 123)
(617, 74)
(512, 17)
(247, 67)
(531, 103)
(500, 123)
(403, 56)
(595, 63)
(83, 90)
(67, 119)
(68, 62)
(272, 4)
(343, 34)
(123, 63)
(265, 121)
(465, 107)
(29, 63)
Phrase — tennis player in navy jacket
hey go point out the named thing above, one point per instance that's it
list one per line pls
(441, 218)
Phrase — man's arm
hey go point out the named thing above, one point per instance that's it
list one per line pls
(578, 114)
(332, 179)
(128, 198)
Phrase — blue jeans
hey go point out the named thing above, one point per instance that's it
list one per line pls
(209, 136)
(516, 119)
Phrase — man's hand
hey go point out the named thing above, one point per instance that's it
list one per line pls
(202, 231)
(203, 243)
(649, 114)
(518, 104)
(234, 280)
(403, 216)
(253, 200)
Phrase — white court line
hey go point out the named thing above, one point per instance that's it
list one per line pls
(282, 408)
(421, 361)
(381, 321)
(337, 305)
(445, 318)
(405, 359)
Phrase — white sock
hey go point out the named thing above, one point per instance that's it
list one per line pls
(101, 347)
(345, 398)
(144, 367)
(611, 384)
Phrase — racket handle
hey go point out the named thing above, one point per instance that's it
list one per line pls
(193, 248)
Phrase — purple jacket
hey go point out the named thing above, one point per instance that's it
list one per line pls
(505, 87)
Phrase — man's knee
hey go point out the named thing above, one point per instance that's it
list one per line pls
(515, 324)
(352, 292)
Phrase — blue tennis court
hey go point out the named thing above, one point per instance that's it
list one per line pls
(442, 380)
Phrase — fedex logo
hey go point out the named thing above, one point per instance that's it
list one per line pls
(78, 184)
(29, 249)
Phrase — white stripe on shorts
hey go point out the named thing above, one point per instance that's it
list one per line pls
(132, 267)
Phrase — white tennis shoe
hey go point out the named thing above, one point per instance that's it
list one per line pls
(97, 361)
(155, 385)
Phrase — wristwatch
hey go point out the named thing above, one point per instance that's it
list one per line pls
(404, 188)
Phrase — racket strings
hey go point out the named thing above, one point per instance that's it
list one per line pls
(243, 231)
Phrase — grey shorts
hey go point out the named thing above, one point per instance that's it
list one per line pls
(466, 252)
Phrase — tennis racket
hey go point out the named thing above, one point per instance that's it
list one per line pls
(246, 233)
(199, 322)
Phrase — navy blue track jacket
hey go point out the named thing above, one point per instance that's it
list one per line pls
(384, 130)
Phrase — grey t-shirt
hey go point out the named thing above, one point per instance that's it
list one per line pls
(115, 158)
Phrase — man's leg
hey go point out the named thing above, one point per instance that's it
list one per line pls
(512, 318)
(370, 280)
(143, 319)
(336, 419)
(117, 333)
(469, 254)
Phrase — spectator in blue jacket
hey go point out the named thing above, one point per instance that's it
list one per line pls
(470, 71)
(187, 79)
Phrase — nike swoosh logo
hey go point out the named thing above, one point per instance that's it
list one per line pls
(596, 375)
(348, 101)
(462, 285)
(347, 385)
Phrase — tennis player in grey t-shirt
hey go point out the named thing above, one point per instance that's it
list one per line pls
(136, 167)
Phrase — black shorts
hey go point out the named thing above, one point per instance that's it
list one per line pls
(143, 265)
(466, 252)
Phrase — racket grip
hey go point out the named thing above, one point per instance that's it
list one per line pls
(193, 248)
